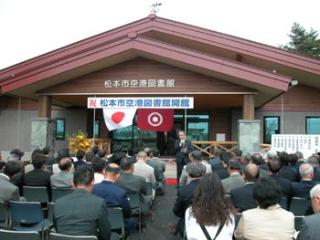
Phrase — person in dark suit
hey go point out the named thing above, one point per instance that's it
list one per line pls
(221, 167)
(302, 189)
(9, 191)
(310, 224)
(242, 197)
(274, 167)
(133, 183)
(78, 161)
(113, 194)
(286, 170)
(195, 171)
(183, 147)
(38, 176)
(80, 212)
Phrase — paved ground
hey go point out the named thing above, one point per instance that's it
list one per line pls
(158, 228)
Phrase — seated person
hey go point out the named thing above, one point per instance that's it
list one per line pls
(63, 179)
(79, 160)
(113, 194)
(9, 191)
(38, 177)
(269, 220)
(210, 213)
(234, 180)
(152, 163)
(80, 212)
(194, 156)
(242, 197)
(258, 160)
(221, 167)
(274, 168)
(98, 165)
(29, 167)
(196, 171)
(134, 184)
(302, 189)
(310, 224)
(286, 170)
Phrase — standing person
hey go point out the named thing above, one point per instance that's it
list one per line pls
(211, 214)
(183, 147)
(80, 212)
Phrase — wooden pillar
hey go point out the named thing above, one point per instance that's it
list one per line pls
(248, 107)
(44, 106)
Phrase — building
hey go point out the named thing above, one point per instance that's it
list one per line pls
(243, 90)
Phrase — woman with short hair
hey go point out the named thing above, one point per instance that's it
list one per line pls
(211, 213)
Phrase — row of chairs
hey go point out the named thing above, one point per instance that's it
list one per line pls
(40, 194)
(32, 235)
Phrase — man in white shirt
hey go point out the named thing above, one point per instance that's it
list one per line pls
(141, 168)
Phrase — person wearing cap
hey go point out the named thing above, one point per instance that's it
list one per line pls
(195, 170)
(194, 156)
(234, 180)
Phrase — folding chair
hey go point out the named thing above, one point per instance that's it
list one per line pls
(135, 204)
(57, 236)
(4, 216)
(284, 202)
(298, 222)
(12, 235)
(28, 216)
(36, 194)
(299, 206)
(116, 220)
(115, 236)
(50, 212)
(60, 192)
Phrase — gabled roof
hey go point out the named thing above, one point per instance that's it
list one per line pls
(136, 39)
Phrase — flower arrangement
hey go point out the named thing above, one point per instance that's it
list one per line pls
(79, 141)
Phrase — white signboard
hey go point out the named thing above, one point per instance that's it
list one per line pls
(291, 143)
(141, 102)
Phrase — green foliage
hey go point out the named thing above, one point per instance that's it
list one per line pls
(303, 41)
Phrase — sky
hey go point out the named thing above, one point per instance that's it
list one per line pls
(32, 27)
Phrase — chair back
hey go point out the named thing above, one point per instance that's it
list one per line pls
(298, 222)
(50, 212)
(16, 235)
(116, 218)
(4, 216)
(36, 194)
(57, 236)
(60, 192)
(26, 213)
(134, 200)
(299, 206)
(284, 202)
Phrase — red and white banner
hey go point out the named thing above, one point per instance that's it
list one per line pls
(159, 120)
(118, 118)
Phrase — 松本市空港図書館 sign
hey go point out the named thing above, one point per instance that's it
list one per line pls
(141, 83)
(141, 102)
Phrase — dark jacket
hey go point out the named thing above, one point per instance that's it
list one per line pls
(242, 197)
(82, 213)
(184, 198)
(288, 173)
(37, 178)
(133, 183)
(182, 152)
(113, 195)
(285, 184)
(302, 189)
(220, 170)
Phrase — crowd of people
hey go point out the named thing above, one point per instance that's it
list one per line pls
(228, 196)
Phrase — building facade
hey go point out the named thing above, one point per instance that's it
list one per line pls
(243, 90)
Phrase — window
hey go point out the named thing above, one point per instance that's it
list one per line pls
(97, 129)
(312, 125)
(271, 125)
(198, 127)
(60, 129)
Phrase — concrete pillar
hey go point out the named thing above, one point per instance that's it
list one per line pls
(42, 128)
(248, 128)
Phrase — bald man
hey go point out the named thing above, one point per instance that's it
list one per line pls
(242, 197)
(64, 178)
(302, 189)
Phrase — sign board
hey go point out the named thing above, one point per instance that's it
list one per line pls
(141, 83)
(291, 143)
(141, 102)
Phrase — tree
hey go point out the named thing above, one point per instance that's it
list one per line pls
(303, 41)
